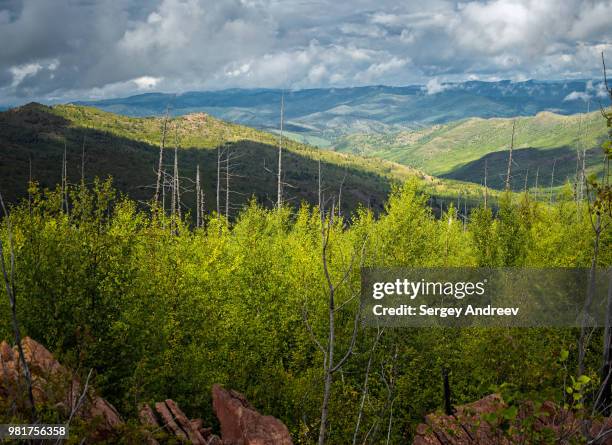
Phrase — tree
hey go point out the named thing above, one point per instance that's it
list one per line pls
(9, 284)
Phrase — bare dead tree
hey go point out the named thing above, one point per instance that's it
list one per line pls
(509, 171)
(364, 392)
(161, 155)
(535, 193)
(198, 197)
(552, 179)
(176, 186)
(219, 155)
(583, 154)
(486, 188)
(340, 195)
(279, 182)
(330, 366)
(227, 184)
(164, 185)
(64, 203)
(79, 403)
(602, 206)
(9, 284)
(83, 163)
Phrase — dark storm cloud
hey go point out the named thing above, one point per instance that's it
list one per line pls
(69, 48)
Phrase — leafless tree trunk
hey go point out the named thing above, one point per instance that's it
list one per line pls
(161, 156)
(218, 179)
(9, 283)
(279, 183)
(582, 344)
(486, 188)
(197, 187)
(552, 179)
(163, 192)
(227, 184)
(83, 163)
(364, 392)
(330, 366)
(64, 205)
(508, 173)
(536, 183)
(176, 195)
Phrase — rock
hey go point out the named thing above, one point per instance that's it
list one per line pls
(214, 440)
(241, 424)
(148, 419)
(186, 425)
(175, 422)
(54, 384)
(168, 420)
(6, 353)
(468, 424)
(147, 416)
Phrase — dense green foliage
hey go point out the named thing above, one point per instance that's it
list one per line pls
(160, 310)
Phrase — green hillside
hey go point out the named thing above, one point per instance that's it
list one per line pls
(459, 149)
(127, 148)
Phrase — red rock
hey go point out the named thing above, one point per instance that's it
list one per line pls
(147, 416)
(54, 384)
(168, 420)
(185, 424)
(241, 424)
(215, 440)
(6, 353)
(467, 425)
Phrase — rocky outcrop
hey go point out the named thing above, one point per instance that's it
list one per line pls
(241, 424)
(472, 424)
(170, 418)
(53, 383)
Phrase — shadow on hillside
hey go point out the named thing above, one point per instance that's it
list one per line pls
(33, 134)
(528, 163)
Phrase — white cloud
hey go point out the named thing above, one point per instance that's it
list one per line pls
(146, 82)
(433, 86)
(577, 95)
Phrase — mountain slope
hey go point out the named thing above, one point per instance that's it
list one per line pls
(459, 149)
(128, 149)
(329, 113)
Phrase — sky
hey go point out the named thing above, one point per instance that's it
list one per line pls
(58, 50)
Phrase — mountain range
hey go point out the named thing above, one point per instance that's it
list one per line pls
(322, 116)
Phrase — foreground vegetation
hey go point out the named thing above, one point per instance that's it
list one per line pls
(161, 310)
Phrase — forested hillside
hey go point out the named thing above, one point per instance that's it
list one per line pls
(33, 139)
(459, 149)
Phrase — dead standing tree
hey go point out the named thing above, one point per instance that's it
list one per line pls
(279, 183)
(160, 165)
(9, 283)
(509, 171)
(330, 366)
(601, 205)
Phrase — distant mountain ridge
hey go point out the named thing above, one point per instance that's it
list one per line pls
(460, 149)
(321, 116)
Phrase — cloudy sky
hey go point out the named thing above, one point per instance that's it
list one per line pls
(70, 49)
